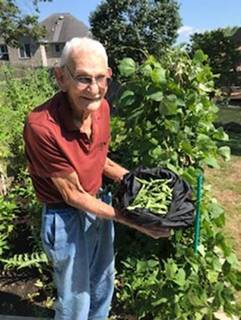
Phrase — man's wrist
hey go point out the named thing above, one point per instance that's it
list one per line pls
(118, 216)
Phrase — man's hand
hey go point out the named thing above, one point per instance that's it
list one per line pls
(113, 170)
(154, 232)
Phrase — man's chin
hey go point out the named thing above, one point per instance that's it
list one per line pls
(92, 105)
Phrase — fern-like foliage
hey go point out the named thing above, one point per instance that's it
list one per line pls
(26, 260)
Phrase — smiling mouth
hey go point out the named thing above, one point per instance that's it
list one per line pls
(91, 99)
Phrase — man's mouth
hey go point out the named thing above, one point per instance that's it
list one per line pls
(91, 99)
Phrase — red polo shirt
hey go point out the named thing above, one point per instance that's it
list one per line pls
(54, 147)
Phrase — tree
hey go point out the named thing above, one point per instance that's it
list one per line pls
(134, 27)
(222, 52)
(14, 24)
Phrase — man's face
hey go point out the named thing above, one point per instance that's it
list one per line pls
(85, 76)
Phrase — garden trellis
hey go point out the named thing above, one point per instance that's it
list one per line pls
(198, 214)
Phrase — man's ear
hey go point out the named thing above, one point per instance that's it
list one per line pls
(109, 72)
(60, 78)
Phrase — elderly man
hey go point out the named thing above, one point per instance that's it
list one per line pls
(66, 142)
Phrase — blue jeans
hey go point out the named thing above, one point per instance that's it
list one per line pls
(80, 246)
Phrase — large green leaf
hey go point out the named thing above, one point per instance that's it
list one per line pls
(155, 96)
(158, 76)
(200, 56)
(169, 105)
(225, 152)
(186, 147)
(127, 98)
(127, 67)
(212, 162)
(195, 299)
(170, 268)
(219, 134)
(180, 277)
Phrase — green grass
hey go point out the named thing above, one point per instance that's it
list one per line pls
(226, 181)
(227, 115)
(230, 114)
(226, 188)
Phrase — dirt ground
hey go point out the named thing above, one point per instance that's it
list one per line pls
(16, 292)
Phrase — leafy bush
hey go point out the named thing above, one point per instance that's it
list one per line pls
(20, 95)
(20, 245)
(20, 212)
(7, 215)
(20, 217)
(165, 118)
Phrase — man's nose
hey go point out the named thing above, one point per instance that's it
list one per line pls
(93, 86)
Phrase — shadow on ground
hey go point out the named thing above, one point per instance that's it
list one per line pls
(234, 143)
(234, 132)
(12, 304)
(19, 295)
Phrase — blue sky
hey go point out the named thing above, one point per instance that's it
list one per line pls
(202, 15)
(197, 15)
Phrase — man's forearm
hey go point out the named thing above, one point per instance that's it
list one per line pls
(74, 194)
(89, 203)
(113, 170)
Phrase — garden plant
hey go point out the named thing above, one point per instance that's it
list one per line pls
(164, 117)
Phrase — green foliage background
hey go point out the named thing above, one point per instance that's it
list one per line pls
(163, 117)
(14, 24)
(135, 27)
(20, 213)
(223, 53)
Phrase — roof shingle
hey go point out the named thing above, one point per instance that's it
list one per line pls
(61, 27)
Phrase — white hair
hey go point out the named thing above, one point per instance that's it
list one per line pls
(84, 45)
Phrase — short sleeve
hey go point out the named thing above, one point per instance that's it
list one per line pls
(44, 157)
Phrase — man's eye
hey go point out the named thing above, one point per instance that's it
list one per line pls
(100, 78)
(84, 80)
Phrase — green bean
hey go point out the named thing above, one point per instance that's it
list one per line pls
(154, 195)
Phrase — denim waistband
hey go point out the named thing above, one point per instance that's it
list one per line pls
(58, 205)
(63, 208)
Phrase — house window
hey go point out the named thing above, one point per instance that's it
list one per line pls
(57, 48)
(4, 52)
(25, 51)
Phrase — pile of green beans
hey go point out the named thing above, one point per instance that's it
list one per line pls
(154, 195)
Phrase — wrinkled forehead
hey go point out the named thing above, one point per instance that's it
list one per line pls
(80, 59)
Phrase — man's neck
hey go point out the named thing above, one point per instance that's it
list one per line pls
(84, 124)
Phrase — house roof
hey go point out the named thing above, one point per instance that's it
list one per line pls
(62, 27)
